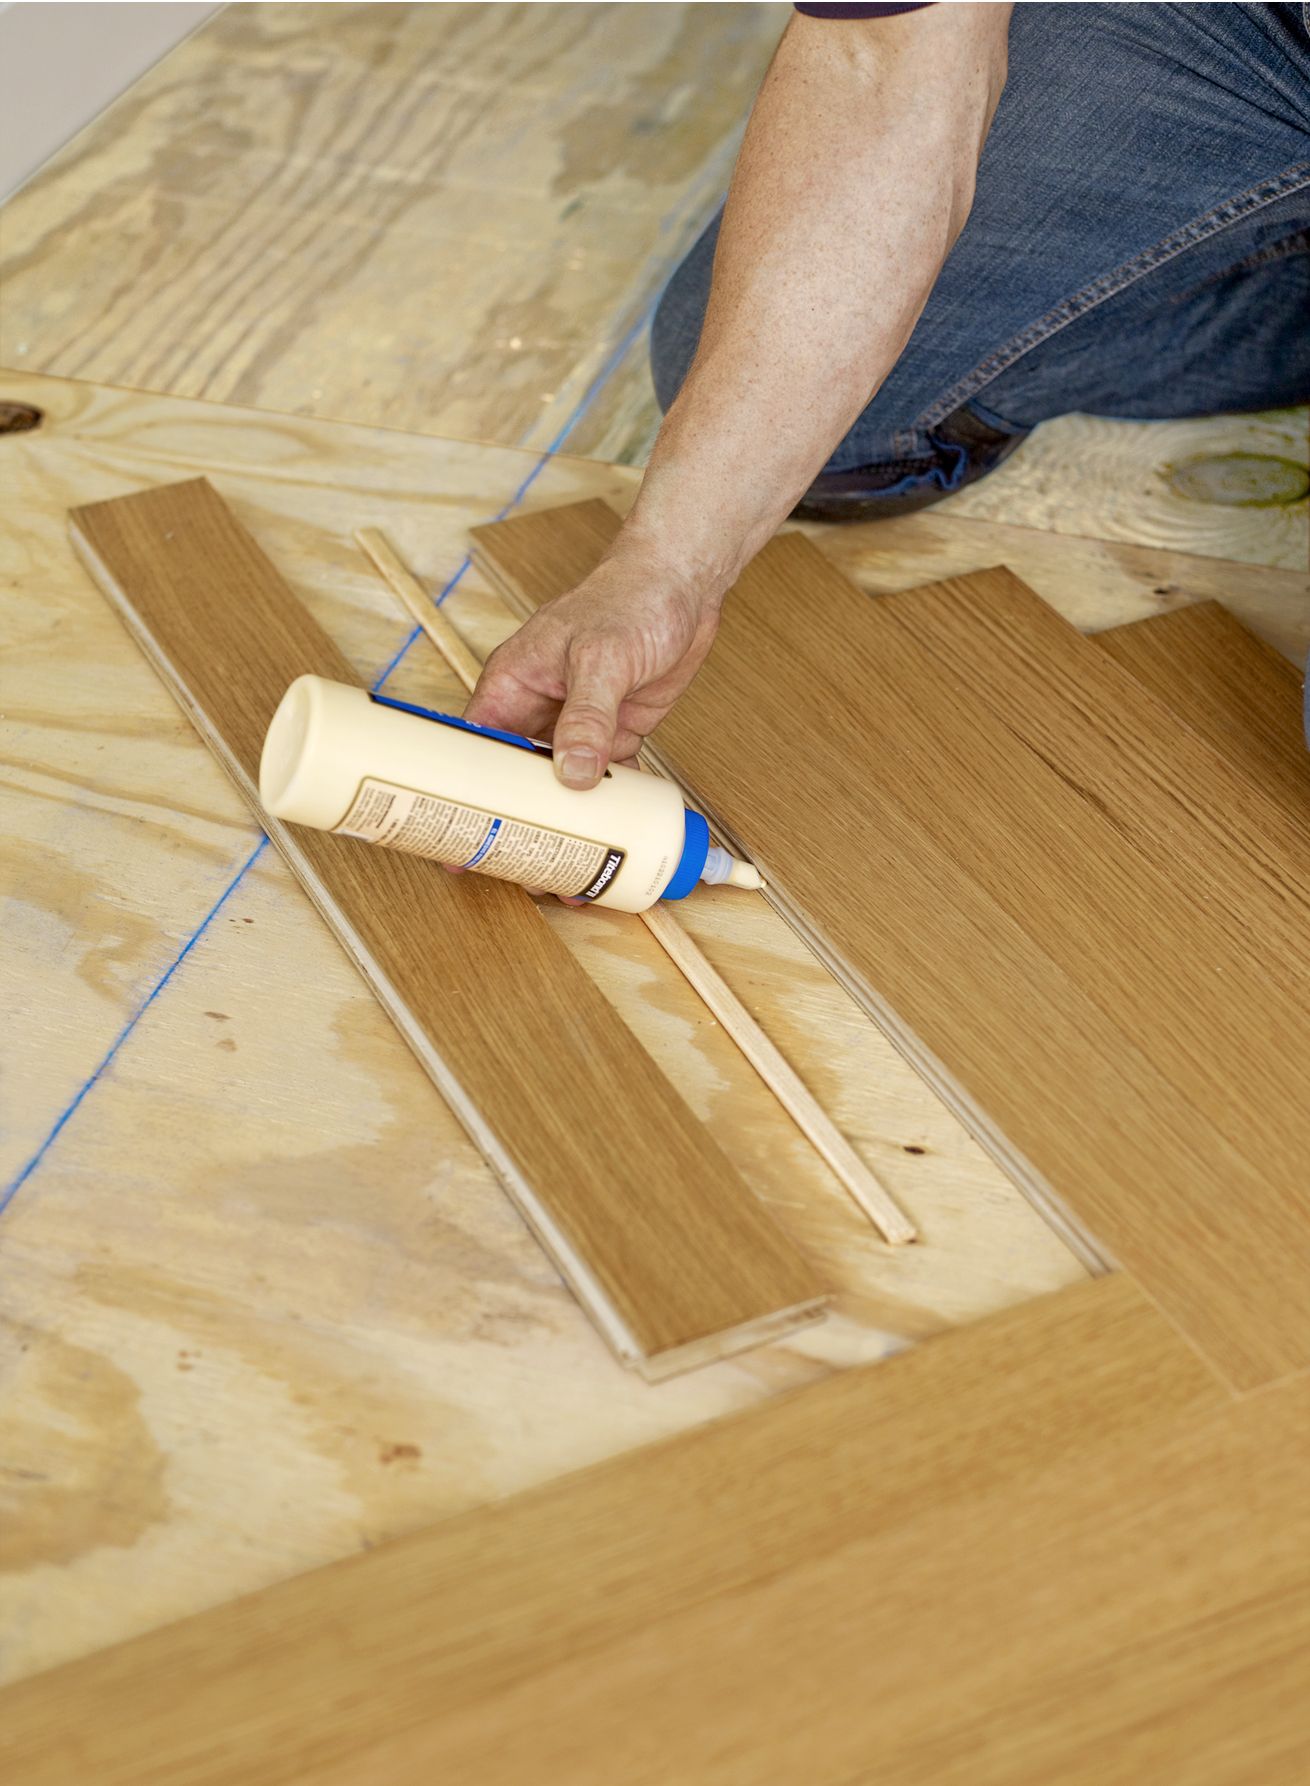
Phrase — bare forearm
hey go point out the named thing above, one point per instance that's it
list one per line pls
(855, 177)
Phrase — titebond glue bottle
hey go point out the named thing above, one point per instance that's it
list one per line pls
(363, 765)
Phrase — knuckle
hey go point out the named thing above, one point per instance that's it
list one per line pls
(590, 651)
(587, 713)
(495, 670)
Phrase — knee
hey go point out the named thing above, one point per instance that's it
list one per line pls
(675, 331)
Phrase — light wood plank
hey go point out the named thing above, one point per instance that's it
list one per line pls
(1243, 698)
(1066, 905)
(1090, 718)
(659, 1239)
(870, 1483)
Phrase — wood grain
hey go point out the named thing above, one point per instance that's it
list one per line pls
(659, 1239)
(776, 1072)
(1069, 907)
(1042, 1513)
(203, 1296)
(1230, 687)
(447, 218)
(1143, 483)
(1223, 833)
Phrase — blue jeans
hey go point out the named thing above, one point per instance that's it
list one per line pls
(1139, 245)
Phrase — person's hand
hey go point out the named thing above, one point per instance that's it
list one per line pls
(596, 669)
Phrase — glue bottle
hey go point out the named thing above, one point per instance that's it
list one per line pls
(363, 765)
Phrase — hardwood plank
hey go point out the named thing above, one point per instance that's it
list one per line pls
(1176, 797)
(1230, 687)
(777, 1073)
(872, 1482)
(656, 1234)
(1140, 1613)
(1126, 1027)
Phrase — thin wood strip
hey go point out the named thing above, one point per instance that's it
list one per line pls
(310, 1676)
(776, 1072)
(651, 1227)
(412, 596)
(1084, 923)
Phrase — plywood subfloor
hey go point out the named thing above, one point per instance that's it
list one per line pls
(1230, 487)
(309, 1290)
(205, 1297)
(208, 1294)
(1076, 914)
(1049, 1548)
(448, 218)
(356, 1308)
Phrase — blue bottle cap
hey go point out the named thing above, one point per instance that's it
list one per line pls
(695, 848)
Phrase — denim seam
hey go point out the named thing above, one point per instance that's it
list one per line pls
(1109, 285)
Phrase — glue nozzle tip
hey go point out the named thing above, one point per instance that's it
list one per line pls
(721, 869)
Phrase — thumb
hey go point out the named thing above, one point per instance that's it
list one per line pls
(584, 732)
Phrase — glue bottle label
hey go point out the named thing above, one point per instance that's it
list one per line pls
(468, 837)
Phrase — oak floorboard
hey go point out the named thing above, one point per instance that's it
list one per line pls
(1081, 920)
(1140, 1612)
(879, 1514)
(653, 1230)
(1232, 688)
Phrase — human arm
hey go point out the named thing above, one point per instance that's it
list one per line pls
(855, 177)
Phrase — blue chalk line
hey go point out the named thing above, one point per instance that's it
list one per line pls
(11, 1190)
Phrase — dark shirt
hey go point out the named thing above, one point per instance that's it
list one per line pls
(859, 12)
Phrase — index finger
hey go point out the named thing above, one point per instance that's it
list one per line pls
(501, 700)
